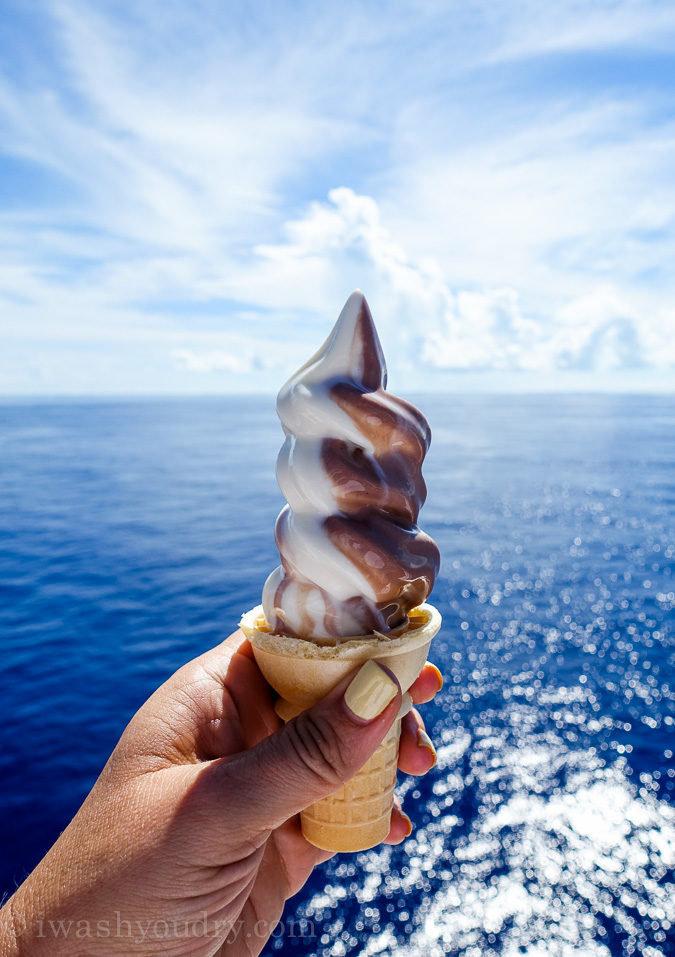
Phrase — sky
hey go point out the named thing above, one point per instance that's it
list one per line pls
(190, 189)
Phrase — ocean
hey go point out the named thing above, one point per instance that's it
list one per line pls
(134, 534)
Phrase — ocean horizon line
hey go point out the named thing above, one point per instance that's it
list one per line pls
(9, 399)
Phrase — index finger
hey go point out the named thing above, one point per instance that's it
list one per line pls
(428, 683)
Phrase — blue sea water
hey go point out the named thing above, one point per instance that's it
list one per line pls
(133, 535)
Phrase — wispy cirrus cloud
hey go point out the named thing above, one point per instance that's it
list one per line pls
(186, 185)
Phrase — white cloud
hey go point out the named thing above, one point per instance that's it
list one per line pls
(604, 330)
(423, 319)
(214, 361)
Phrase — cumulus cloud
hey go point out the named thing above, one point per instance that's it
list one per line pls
(425, 320)
(604, 330)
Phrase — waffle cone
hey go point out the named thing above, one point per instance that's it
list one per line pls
(358, 815)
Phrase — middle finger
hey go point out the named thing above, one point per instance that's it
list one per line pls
(417, 754)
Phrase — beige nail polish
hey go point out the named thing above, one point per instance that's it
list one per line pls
(437, 674)
(424, 741)
(370, 691)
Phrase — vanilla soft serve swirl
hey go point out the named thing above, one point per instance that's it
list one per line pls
(353, 560)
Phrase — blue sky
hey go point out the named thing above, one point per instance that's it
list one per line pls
(190, 190)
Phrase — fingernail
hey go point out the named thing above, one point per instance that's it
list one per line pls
(439, 676)
(424, 741)
(409, 823)
(370, 691)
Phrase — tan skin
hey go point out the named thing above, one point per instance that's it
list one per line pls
(189, 842)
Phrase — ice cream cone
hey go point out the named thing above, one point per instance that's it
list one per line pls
(357, 816)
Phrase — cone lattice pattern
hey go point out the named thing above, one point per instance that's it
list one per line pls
(358, 815)
(365, 800)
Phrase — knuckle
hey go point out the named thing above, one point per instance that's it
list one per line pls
(318, 750)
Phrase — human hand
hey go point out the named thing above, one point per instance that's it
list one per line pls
(189, 842)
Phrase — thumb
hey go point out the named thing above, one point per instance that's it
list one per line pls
(313, 755)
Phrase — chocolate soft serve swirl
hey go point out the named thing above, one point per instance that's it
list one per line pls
(353, 561)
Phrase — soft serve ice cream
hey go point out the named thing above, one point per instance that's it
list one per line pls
(355, 568)
(353, 561)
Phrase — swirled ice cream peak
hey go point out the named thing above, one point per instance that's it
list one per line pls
(353, 561)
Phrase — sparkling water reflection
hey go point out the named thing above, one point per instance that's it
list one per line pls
(548, 826)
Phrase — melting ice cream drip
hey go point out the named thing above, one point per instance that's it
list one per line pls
(353, 560)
